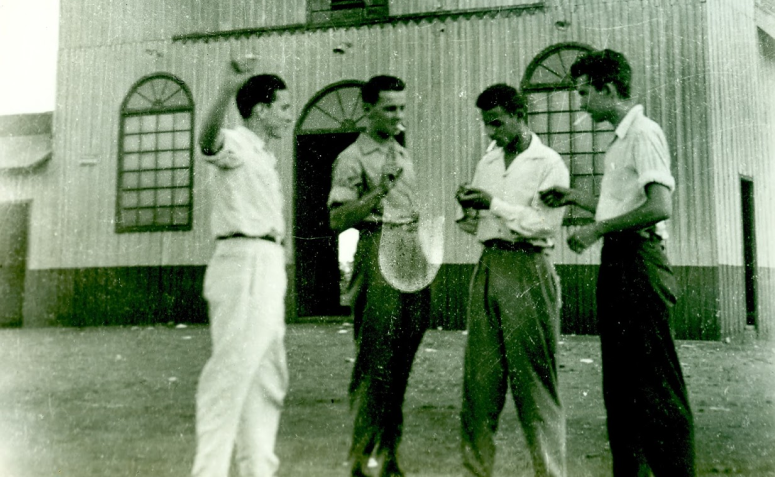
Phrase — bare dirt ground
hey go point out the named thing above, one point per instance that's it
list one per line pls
(119, 402)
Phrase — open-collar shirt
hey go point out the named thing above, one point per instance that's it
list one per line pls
(637, 157)
(357, 171)
(245, 187)
(516, 213)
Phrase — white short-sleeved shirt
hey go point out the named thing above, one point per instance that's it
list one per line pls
(245, 187)
(638, 156)
(516, 212)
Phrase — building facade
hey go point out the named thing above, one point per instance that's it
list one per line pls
(118, 229)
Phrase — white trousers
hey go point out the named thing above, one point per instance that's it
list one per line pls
(241, 390)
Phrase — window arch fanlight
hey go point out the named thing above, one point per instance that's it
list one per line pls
(155, 166)
(554, 114)
(338, 108)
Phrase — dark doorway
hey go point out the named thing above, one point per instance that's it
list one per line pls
(330, 122)
(317, 258)
(749, 250)
(13, 261)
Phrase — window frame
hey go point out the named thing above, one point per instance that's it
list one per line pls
(346, 12)
(157, 106)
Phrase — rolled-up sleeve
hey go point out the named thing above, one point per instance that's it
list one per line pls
(229, 157)
(346, 180)
(537, 220)
(652, 160)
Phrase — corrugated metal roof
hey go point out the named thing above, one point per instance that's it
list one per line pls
(25, 141)
(25, 124)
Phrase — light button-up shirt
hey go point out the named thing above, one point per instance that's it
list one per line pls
(516, 212)
(638, 156)
(245, 190)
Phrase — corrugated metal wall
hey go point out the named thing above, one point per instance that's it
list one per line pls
(665, 44)
(446, 64)
(765, 185)
(99, 22)
(765, 180)
(82, 206)
(733, 70)
(735, 146)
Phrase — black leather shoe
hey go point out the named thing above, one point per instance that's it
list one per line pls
(391, 469)
(357, 470)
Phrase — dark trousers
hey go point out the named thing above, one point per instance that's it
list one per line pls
(650, 422)
(513, 327)
(389, 326)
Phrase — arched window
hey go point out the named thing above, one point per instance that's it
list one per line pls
(155, 167)
(338, 108)
(554, 114)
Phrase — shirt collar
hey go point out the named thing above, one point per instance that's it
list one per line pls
(624, 125)
(534, 149)
(367, 144)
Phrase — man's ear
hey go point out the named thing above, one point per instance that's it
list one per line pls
(259, 110)
(610, 90)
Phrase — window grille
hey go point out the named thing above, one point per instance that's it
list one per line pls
(155, 167)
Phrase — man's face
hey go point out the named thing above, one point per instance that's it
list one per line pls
(500, 126)
(386, 115)
(598, 104)
(275, 118)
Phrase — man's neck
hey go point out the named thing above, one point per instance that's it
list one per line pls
(519, 145)
(256, 128)
(620, 110)
(380, 137)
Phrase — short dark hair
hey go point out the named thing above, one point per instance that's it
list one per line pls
(505, 96)
(371, 89)
(257, 89)
(602, 67)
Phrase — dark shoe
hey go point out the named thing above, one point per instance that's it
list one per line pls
(391, 469)
(357, 470)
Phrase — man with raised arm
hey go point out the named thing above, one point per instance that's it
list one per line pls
(242, 386)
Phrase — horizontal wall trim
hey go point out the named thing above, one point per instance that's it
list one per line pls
(500, 12)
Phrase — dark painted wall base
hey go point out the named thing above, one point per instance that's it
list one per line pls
(114, 296)
(150, 295)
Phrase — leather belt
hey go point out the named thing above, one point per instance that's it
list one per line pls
(507, 246)
(268, 238)
(369, 227)
(643, 235)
